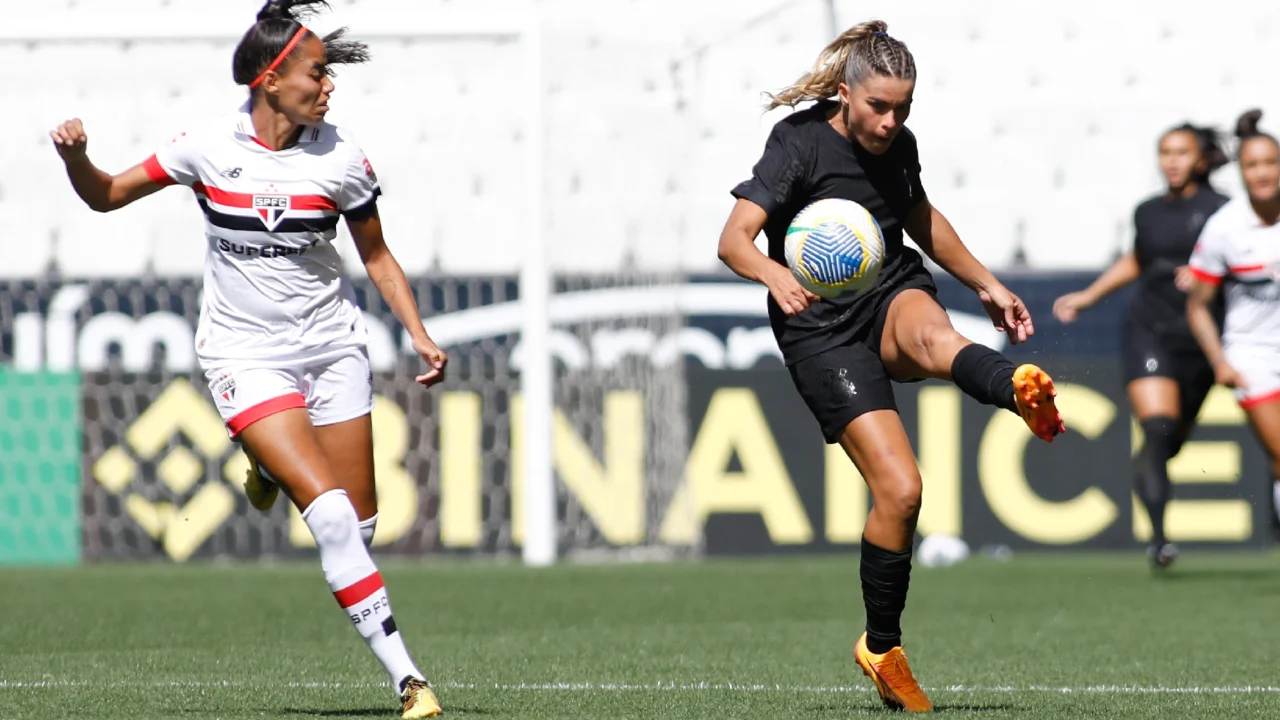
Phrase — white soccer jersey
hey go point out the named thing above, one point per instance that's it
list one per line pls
(274, 289)
(1242, 255)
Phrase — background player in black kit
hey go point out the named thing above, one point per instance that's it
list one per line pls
(1165, 372)
(843, 352)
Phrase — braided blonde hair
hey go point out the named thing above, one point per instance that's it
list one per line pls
(863, 50)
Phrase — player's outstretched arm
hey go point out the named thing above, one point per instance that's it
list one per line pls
(1122, 272)
(101, 191)
(738, 251)
(386, 273)
(938, 239)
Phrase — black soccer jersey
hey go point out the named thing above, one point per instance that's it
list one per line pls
(805, 159)
(1166, 232)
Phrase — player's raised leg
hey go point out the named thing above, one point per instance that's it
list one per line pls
(919, 342)
(878, 446)
(288, 443)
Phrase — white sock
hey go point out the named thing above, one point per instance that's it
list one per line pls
(1275, 497)
(367, 528)
(356, 583)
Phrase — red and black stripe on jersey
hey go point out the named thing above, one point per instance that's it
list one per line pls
(247, 223)
(209, 196)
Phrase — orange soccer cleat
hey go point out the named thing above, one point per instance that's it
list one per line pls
(1033, 392)
(892, 677)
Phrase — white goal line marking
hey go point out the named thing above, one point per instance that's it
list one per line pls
(668, 687)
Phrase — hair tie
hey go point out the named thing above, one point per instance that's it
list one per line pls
(880, 33)
(297, 37)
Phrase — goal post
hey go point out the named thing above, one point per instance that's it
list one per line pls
(536, 375)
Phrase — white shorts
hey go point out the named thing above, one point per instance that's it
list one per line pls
(332, 390)
(1260, 366)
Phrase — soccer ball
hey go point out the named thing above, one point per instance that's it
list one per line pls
(942, 551)
(834, 247)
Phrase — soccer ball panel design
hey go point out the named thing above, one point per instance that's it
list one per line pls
(834, 247)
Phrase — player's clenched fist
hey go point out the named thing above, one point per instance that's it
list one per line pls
(436, 360)
(70, 140)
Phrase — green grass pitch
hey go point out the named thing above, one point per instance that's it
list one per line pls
(1043, 636)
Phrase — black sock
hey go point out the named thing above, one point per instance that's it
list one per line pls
(1151, 476)
(885, 577)
(984, 375)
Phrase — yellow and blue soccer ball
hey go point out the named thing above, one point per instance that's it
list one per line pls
(834, 247)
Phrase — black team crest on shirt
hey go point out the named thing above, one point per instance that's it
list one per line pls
(271, 207)
(1197, 223)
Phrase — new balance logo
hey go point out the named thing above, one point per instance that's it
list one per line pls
(233, 173)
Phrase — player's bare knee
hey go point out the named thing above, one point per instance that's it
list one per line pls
(933, 346)
(906, 503)
(901, 498)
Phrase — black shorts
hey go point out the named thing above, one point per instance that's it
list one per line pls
(849, 380)
(1147, 353)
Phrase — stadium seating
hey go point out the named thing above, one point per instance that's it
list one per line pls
(1037, 124)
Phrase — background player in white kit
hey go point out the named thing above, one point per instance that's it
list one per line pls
(280, 337)
(1239, 254)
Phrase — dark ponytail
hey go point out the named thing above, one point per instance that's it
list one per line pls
(278, 22)
(1210, 149)
(1247, 129)
(1247, 125)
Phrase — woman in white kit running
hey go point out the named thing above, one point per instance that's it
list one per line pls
(280, 338)
(1239, 254)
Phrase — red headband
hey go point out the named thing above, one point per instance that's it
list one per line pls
(297, 38)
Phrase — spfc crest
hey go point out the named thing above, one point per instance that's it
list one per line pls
(225, 387)
(271, 208)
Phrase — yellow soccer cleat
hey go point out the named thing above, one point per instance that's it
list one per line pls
(892, 677)
(1034, 394)
(419, 701)
(262, 492)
